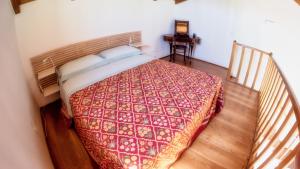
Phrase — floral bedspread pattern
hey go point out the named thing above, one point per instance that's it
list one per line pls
(147, 116)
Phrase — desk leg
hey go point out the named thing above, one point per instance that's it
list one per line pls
(191, 53)
(171, 51)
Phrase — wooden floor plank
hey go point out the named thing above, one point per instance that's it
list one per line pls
(222, 157)
(224, 144)
(194, 160)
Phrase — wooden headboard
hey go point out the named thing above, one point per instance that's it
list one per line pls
(65, 54)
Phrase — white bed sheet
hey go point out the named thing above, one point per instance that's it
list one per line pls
(86, 79)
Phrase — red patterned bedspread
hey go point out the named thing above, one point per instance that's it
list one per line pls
(147, 116)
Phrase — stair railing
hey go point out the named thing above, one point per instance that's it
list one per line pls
(276, 139)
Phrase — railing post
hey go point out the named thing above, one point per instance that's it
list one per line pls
(231, 60)
(297, 160)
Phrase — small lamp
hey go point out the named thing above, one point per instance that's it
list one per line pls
(49, 59)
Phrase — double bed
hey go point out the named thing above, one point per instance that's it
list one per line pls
(139, 112)
(130, 110)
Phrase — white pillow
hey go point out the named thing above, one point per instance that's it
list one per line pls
(119, 53)
(80, 65)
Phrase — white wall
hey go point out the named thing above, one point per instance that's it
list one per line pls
(272, 25)
(22, 143)
(44, 25)
(212, 20)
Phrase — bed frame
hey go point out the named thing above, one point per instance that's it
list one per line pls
(65, 54)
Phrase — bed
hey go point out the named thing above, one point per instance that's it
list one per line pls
(139, 112)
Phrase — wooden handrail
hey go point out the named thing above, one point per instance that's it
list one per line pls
(291, 93)
(276, 139)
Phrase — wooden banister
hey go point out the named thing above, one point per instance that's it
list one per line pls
(276, 139)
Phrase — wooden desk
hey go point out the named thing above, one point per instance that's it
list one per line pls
(192, 44)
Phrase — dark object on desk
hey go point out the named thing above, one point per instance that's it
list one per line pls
(192, 42)
(182, 28)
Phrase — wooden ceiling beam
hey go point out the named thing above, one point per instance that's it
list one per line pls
(179, 1)
(16, 4)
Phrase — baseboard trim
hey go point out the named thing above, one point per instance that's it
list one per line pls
(199, 60)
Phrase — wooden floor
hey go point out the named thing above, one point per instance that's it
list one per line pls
(224, 144)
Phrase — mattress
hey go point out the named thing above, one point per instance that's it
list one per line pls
(145, 117)
(85, 79)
